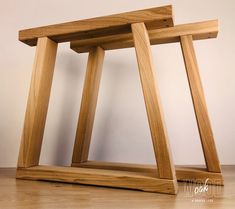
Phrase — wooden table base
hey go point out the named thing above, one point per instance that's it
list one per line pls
(137, 29)
(120, 175)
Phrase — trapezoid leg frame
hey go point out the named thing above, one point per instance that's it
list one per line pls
(166, 170)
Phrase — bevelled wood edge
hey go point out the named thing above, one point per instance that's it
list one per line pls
(120, 179)
(198, 30)
(157, 17)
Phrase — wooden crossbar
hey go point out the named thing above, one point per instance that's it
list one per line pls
(121, 179)
(157, 17)
(199, 30)
(183, 173)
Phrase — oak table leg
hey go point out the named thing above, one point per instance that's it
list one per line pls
(151, 96)
(37, 103)
(88, 105)
(204, 126)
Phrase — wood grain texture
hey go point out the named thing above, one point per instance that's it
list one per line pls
(199, 30)
(26, 194)
(157, 17)
(88, 105)
(37, 105)
(152, 103)
(199, 175)
(196, 174)
(199, 102)
(118, 166)
(120, 179)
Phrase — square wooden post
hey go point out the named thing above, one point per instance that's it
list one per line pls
(37, 105)
(88, 105)
(199, 103)
(153, 106)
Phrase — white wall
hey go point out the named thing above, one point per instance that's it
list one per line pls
(120, 130)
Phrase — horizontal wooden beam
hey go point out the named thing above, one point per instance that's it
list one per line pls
(117, 166)
(196, 175)
(121, 179)
(199, 30)
(157, 17)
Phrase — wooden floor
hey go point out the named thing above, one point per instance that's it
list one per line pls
(27, 194)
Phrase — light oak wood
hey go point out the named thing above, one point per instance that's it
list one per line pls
(122, 179)
(199, 30)
(138, 29)
(204, 126)
(26, 194)
(37, 105)
(198, 175)
(157, 17)
(189, 174)
(88, 105)
(118, 166)
(152, 103)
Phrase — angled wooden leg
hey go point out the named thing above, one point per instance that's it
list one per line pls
(37, 103)
(88, 105)
(151, 96)
(206, 135)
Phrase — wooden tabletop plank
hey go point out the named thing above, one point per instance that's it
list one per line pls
(157, 17)
(199, 30)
